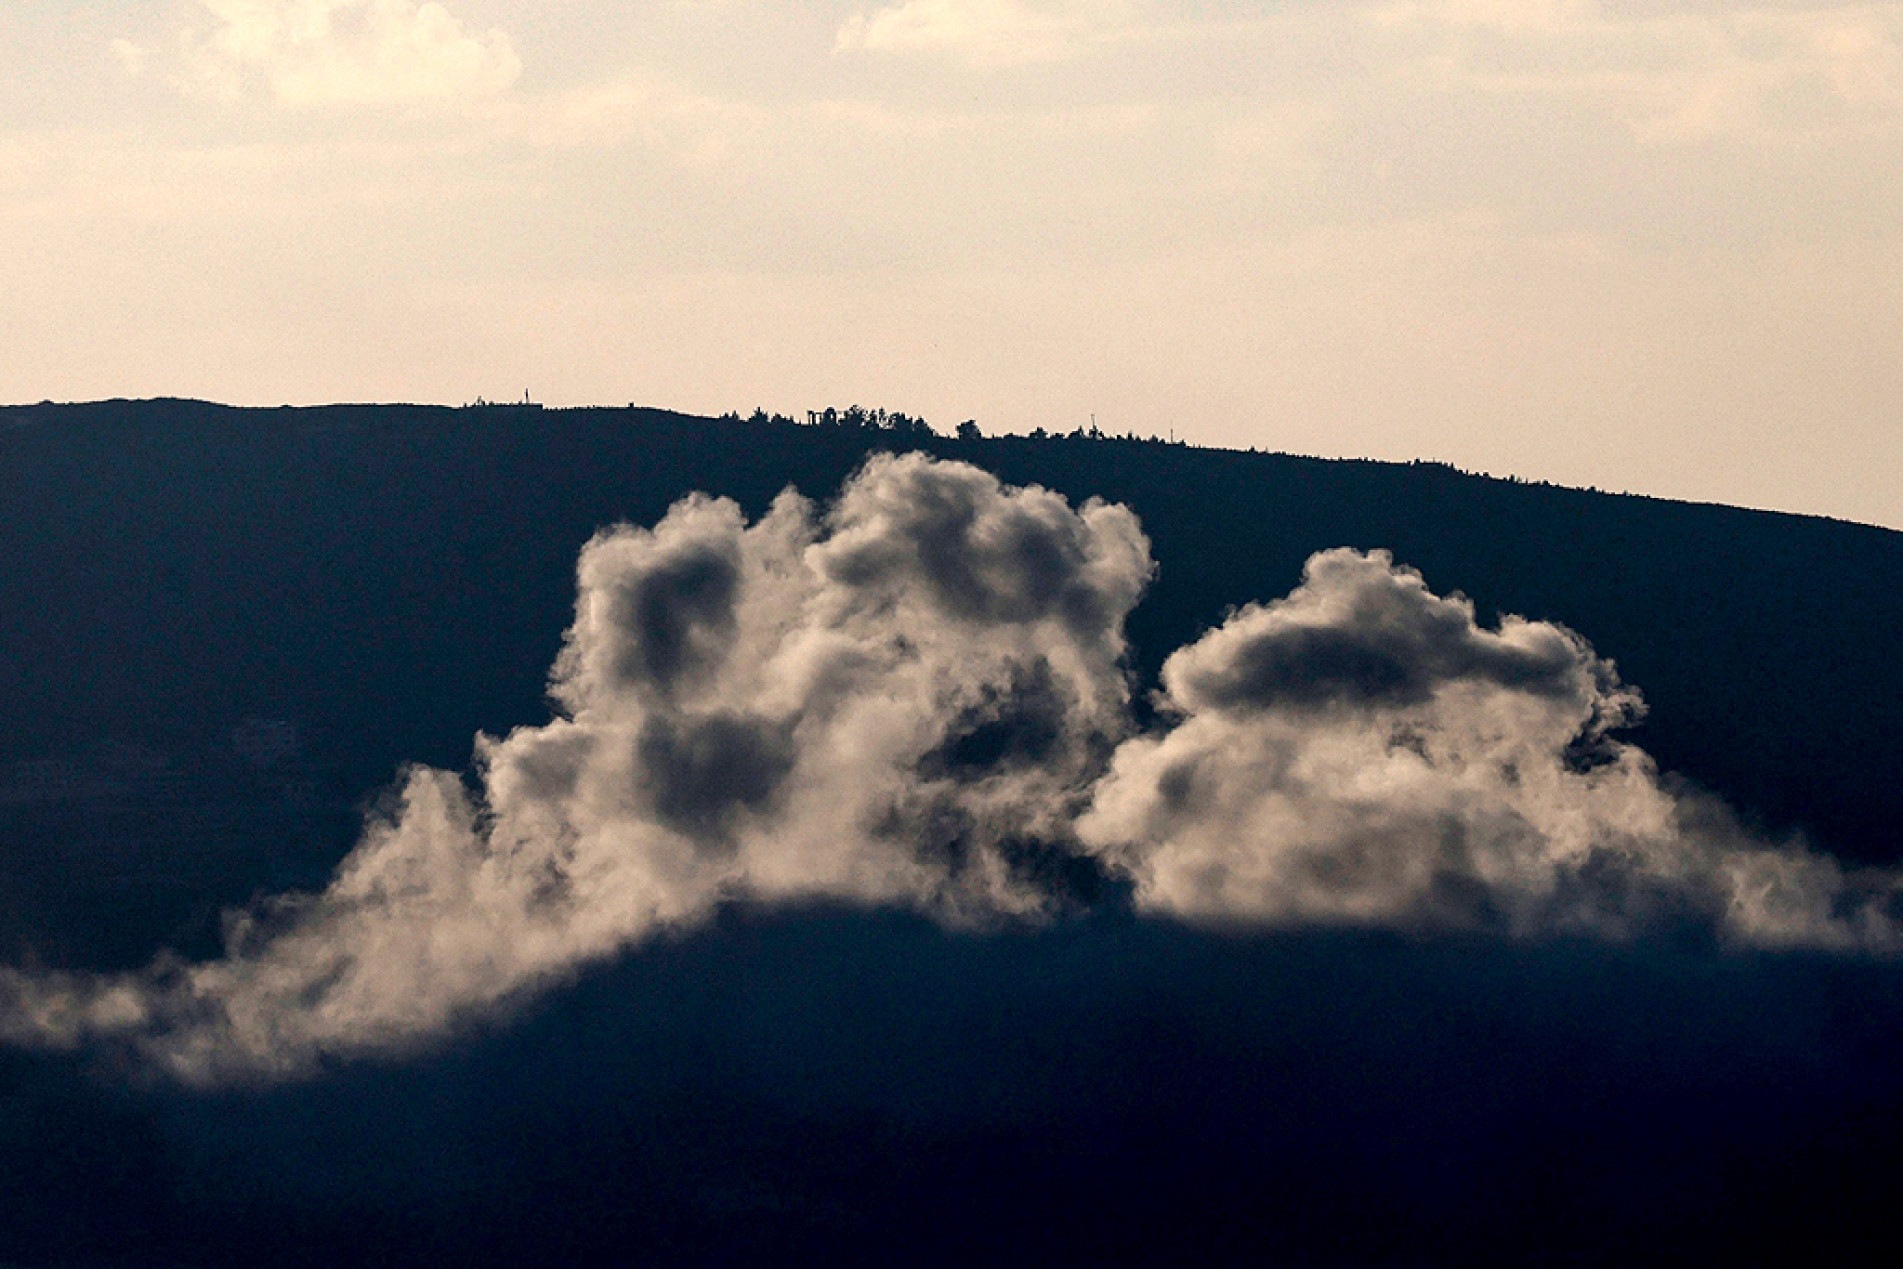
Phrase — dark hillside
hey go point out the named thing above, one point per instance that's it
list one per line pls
(224, 628)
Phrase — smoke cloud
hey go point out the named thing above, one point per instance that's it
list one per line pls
(918, 698)
(1363, 751)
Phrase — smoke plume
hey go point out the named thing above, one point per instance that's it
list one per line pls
(918, 697)
(1363, 751)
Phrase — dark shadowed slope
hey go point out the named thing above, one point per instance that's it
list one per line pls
(821, 1085)
(224, 628)
(222, 631)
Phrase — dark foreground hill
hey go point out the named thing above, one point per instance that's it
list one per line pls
(226, 628)
(222, 631)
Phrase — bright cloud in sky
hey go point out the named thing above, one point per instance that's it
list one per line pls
(1679, 74)
(981, 30)
(1627, 244)
(345, 52)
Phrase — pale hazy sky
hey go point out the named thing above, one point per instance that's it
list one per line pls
(1642, 245)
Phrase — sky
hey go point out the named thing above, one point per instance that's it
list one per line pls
(1630, 244)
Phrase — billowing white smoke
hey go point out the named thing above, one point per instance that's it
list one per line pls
(919, 698)
(891, 704)
(1363, 751)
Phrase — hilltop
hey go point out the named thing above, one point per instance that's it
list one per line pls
(228, 628)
